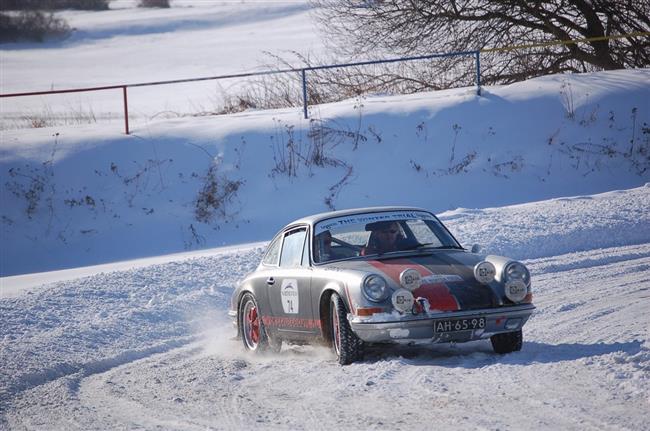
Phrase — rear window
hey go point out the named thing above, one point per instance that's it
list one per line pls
(272, 252)
(292, 248)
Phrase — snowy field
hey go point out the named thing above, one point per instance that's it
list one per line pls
(116, 267)
(129, 45)
(150, 347)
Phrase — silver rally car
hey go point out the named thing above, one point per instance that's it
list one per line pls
(379, 275)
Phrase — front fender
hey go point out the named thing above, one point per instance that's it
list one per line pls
(324, 304)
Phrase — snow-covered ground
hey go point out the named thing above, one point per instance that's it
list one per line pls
(554, 171)
(150, 347)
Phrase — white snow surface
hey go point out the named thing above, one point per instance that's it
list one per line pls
(116, 268)
(150, 347)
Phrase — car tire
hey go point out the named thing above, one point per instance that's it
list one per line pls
(346, 345)
(507, 342)
(253, 333)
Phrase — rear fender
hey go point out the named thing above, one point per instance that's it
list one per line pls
(241, 291)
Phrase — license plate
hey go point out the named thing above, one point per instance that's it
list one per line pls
(454, 325)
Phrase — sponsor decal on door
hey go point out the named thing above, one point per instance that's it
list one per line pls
(290, 296)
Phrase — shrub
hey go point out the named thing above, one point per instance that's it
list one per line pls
(31, 25)
(216, 196)
(154, 3)
(54, 4)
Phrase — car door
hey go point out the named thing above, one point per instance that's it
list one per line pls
(264, 273)
(290, 290)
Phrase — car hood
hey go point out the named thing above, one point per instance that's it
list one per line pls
(448, 281)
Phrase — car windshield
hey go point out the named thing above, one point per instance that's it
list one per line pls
(377, 234)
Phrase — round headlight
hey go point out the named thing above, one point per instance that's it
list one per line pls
(516, 290)
(402, 300)
(410, 279)
(375, 288)
(517, 280)
(484, 272)
(517, 271)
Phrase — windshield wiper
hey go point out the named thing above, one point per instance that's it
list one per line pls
(418, 247)
(429, 245)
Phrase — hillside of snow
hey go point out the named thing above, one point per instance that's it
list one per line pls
(85, 195)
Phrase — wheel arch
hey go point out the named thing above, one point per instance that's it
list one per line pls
(324, 307)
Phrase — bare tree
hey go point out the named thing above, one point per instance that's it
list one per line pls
(334, 84)
(31, 25)
(33, 20)
(407, 27)
(154, 3)
(54, 4)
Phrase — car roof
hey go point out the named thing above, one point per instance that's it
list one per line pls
(313, 219)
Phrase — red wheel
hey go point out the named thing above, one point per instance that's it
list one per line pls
(251, 325)
(252, 328)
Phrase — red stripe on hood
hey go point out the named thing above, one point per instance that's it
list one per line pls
(438, 294)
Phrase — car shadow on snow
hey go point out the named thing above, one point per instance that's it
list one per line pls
(480, 354)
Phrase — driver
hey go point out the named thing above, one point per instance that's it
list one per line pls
(385, 236)
(323, 247)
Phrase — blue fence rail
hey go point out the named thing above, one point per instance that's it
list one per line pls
(475, 54)
(302, 71)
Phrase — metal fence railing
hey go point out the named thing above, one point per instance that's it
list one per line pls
(303, 72)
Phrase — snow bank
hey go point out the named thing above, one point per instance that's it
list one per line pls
(86, 195)
(525, 231)
(556, 226)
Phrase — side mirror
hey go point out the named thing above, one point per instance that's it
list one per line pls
(476, 248)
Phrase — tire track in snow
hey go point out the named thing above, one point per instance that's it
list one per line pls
(47, 375)
(97, 322)
(158, 400)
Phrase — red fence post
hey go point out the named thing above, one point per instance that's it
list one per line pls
(126, 111)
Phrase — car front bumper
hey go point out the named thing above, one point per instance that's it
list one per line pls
(388, 329)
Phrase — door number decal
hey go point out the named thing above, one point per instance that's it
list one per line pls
(289, 292)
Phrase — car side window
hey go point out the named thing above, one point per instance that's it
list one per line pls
(292, 249)
(273, 252)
